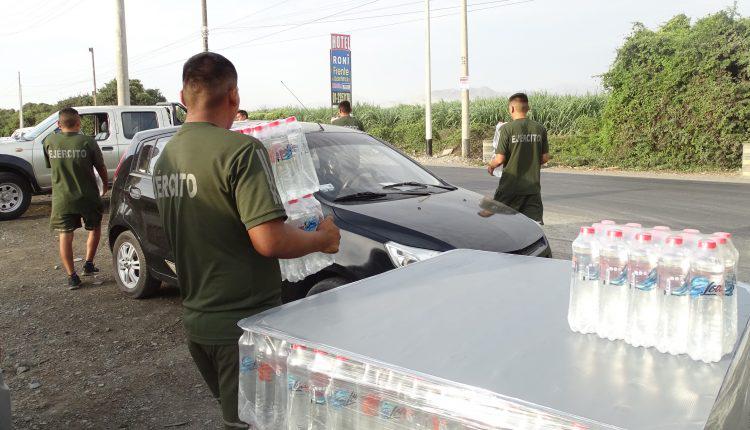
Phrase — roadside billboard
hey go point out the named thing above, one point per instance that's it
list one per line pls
(340, 57)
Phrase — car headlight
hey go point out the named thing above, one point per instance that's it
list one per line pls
(402, 255)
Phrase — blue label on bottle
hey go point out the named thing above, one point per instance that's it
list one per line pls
(342, 398)
(620, 279)
(311, 224)
(389, 410)
(729, 284)
(701, 286)
(649, 283)
(295, 383)
(248, 364)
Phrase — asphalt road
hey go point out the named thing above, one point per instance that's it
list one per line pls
(571, 200)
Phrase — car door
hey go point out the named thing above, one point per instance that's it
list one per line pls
(140, 195)
(100, 125)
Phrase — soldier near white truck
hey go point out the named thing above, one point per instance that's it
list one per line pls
(23, 167)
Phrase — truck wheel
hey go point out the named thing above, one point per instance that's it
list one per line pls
(15, 196)
(327, 284)
(131, 268)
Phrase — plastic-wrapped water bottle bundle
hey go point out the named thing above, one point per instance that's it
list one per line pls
(296, 181)
(289, 385)
(654, 287)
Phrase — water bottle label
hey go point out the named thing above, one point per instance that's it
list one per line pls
(615, 276)
(645, 281)
(283, 152)
(265, 372)
(248, 364)
(584, 271)
(389, 411)
(702, 286)
(295, 383)
(729, 284)
(311, 224)
(682, 287)
(342, 398)
(319, 396)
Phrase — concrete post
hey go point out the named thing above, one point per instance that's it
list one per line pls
(746, 159)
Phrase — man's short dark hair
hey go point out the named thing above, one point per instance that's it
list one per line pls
(521, 100)
(68, 117)
(242, 112)
(345, 106)
(207, 78)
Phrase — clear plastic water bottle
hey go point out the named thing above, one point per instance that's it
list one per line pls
(307, 172)
(247, 378)
(342, 395)
(320, 379)
(630, 229)
(281, 401)
(265, 395)
(583, 309)
(613, 287)
(283, 162)
(730, 298)
(660, 233)
(672, 274)
(644, 292)
(298, 388)
(607, 225)
(369, 399)
(691, 236)
(705, 330)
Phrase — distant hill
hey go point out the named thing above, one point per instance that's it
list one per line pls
(474, 93)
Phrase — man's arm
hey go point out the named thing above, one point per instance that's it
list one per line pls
(280, 240)
(545, 148)
(496, 161)
(98, 162)
(545, 158)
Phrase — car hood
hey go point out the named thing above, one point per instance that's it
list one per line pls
(453, 219)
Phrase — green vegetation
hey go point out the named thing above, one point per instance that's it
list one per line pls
(106, 95)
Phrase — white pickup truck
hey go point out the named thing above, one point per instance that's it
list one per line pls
(23, 171)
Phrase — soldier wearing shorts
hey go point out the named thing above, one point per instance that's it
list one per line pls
(76, 200)
(522, 149)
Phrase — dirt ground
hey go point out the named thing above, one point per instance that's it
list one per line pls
(90, 358)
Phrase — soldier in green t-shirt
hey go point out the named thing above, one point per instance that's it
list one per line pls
(522, 149)
(224, 222)
(73, 157)
(345, 118)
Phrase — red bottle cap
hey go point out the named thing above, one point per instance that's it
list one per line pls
(675, 240)
(723, 234)
(720, 240)
(706, 244)
(643, 237)
(274, 123)
(617, 234)
(290, 119)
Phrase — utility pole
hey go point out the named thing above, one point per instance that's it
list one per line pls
(20, 102)
(465, 80)
(121, 56)
(204, 29)
(427, 83)
(93, 70)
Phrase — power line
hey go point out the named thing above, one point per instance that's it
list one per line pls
(45, 18)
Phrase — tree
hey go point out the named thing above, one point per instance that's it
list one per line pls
(139, 95)
(680, 95)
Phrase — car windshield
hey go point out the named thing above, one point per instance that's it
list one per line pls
(349, 163)
(39, 128)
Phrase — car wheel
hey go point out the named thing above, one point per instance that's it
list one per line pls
(15, 196)
(131, 268)
(327, 284)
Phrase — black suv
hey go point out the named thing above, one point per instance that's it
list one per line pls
(391, 212)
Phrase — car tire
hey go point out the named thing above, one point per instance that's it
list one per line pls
(15, 196)
(327, 284)
(131, 268)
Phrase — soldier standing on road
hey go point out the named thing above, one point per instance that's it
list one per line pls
(522, 149)
(345, 118)
(224, 222)
(73, 157)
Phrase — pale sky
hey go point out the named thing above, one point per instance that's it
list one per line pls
(555, 45)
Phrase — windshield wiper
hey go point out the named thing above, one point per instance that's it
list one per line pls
(417, 184)
(369, 195)
(366, 195)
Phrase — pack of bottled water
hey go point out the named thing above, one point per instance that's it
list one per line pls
(654, 287)
(285, 383)
(296, 181)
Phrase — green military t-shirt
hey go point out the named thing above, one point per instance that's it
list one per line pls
(349, 121)
(522, 141)
(72, 158)
(211, 186)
